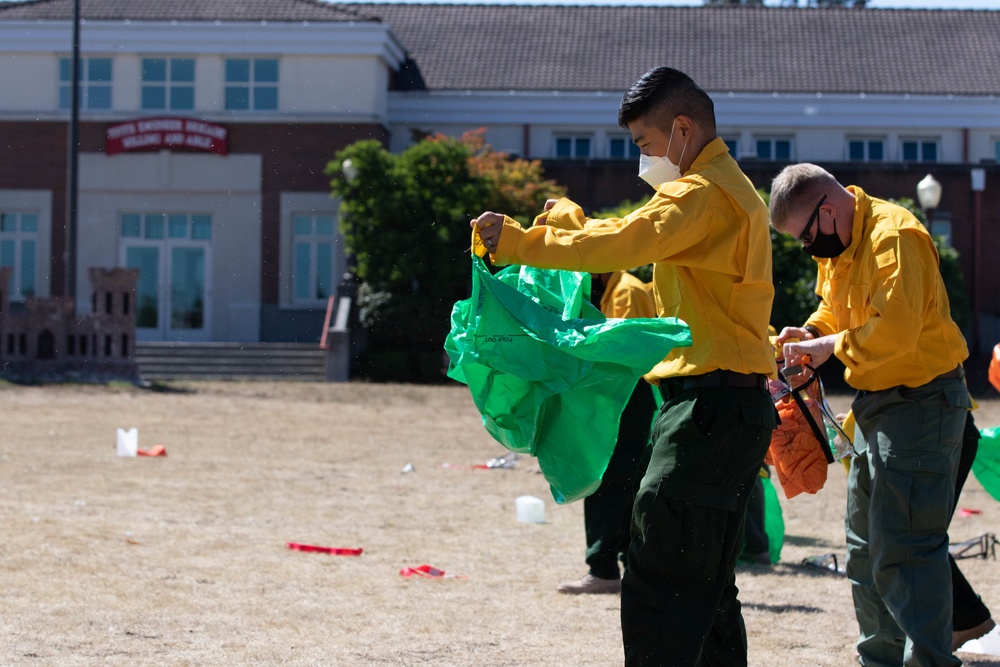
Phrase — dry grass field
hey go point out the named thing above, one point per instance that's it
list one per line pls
(183, 560)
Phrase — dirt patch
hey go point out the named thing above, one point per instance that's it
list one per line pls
(183, 561)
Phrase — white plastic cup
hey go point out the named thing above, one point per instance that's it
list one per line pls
(530, 509)
(127, 442)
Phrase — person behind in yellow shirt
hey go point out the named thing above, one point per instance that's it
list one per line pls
(885, 314)
(607, 510)
(705, 231)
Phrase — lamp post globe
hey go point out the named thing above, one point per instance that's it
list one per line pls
(929, 196)
(929, 192)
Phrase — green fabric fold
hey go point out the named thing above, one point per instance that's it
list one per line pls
(548, 372)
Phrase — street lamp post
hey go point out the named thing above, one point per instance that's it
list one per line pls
(351, 336)
(929, 196)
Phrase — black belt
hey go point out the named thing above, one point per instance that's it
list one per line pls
(719, 378)
(956, 373)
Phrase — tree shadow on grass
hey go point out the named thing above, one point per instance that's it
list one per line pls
(159, 387)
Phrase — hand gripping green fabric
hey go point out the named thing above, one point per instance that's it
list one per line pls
(548, 372)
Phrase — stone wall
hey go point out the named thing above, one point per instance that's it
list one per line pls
(43, 339)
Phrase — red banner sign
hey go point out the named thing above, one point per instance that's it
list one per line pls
(147, 134)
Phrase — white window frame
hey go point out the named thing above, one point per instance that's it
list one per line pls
(36, 202)
(773, 141)
(867, 146)
(631, 151)
(941, 226)
(253, 84)
(87, 85)
(921, 143)
(17, 239)
(168, 84)
(732, 142)
(574, 138)
(313, 240)
(295, 204)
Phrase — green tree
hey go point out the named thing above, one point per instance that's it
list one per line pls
(794, 275)
(793, 271)
(404, 220)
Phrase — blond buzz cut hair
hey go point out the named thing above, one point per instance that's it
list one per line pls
(794, 185)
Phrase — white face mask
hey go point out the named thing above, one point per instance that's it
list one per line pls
(659, 170)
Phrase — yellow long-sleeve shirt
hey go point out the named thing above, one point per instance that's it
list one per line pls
(708, 239)
(627, 296)
(886, 301)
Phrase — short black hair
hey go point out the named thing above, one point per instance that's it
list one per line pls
(662, 94)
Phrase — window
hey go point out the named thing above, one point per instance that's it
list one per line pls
(95, 83)
(996, 151)
(168, 83)
(773, 148)
(622, 148)
(156, 226)
(865, 150)
(941, 226)
(919, 150)
(733, 144)
(19, 252)
(572, 147)
(172, 253)
(251, 84)
(314, 242)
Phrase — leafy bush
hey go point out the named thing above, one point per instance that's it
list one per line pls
(793, 271)
(405, 223)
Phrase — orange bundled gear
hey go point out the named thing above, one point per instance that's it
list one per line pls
(994, 373)
(798, 457)
(798, 451)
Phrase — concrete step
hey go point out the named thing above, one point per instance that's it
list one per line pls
(231, 361)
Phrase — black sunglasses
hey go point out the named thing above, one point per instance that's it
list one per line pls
(806, 237)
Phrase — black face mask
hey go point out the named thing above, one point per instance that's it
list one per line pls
(826, 245)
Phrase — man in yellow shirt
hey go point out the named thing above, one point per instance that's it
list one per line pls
(705, 230)
(605, 512)
(885, 314)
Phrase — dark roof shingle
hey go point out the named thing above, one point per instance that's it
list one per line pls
(591, 48)
(739, 49)
(183, 10)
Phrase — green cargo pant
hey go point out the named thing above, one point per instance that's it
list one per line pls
(679, 595)
(607, 511)
(901, 491)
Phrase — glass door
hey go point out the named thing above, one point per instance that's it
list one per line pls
(171, 252)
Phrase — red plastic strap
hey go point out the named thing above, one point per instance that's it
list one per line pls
(429, 572)
(333, 551)
(422, 571)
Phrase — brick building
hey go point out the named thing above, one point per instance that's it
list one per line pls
(206, 126)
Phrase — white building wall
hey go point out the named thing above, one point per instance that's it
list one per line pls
(322, 85)
(818, 124)
(34, 76)
(337, 72)
(228, 188)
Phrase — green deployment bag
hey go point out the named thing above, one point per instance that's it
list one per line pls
(548, 372)
(774, 522)
(986, 467)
